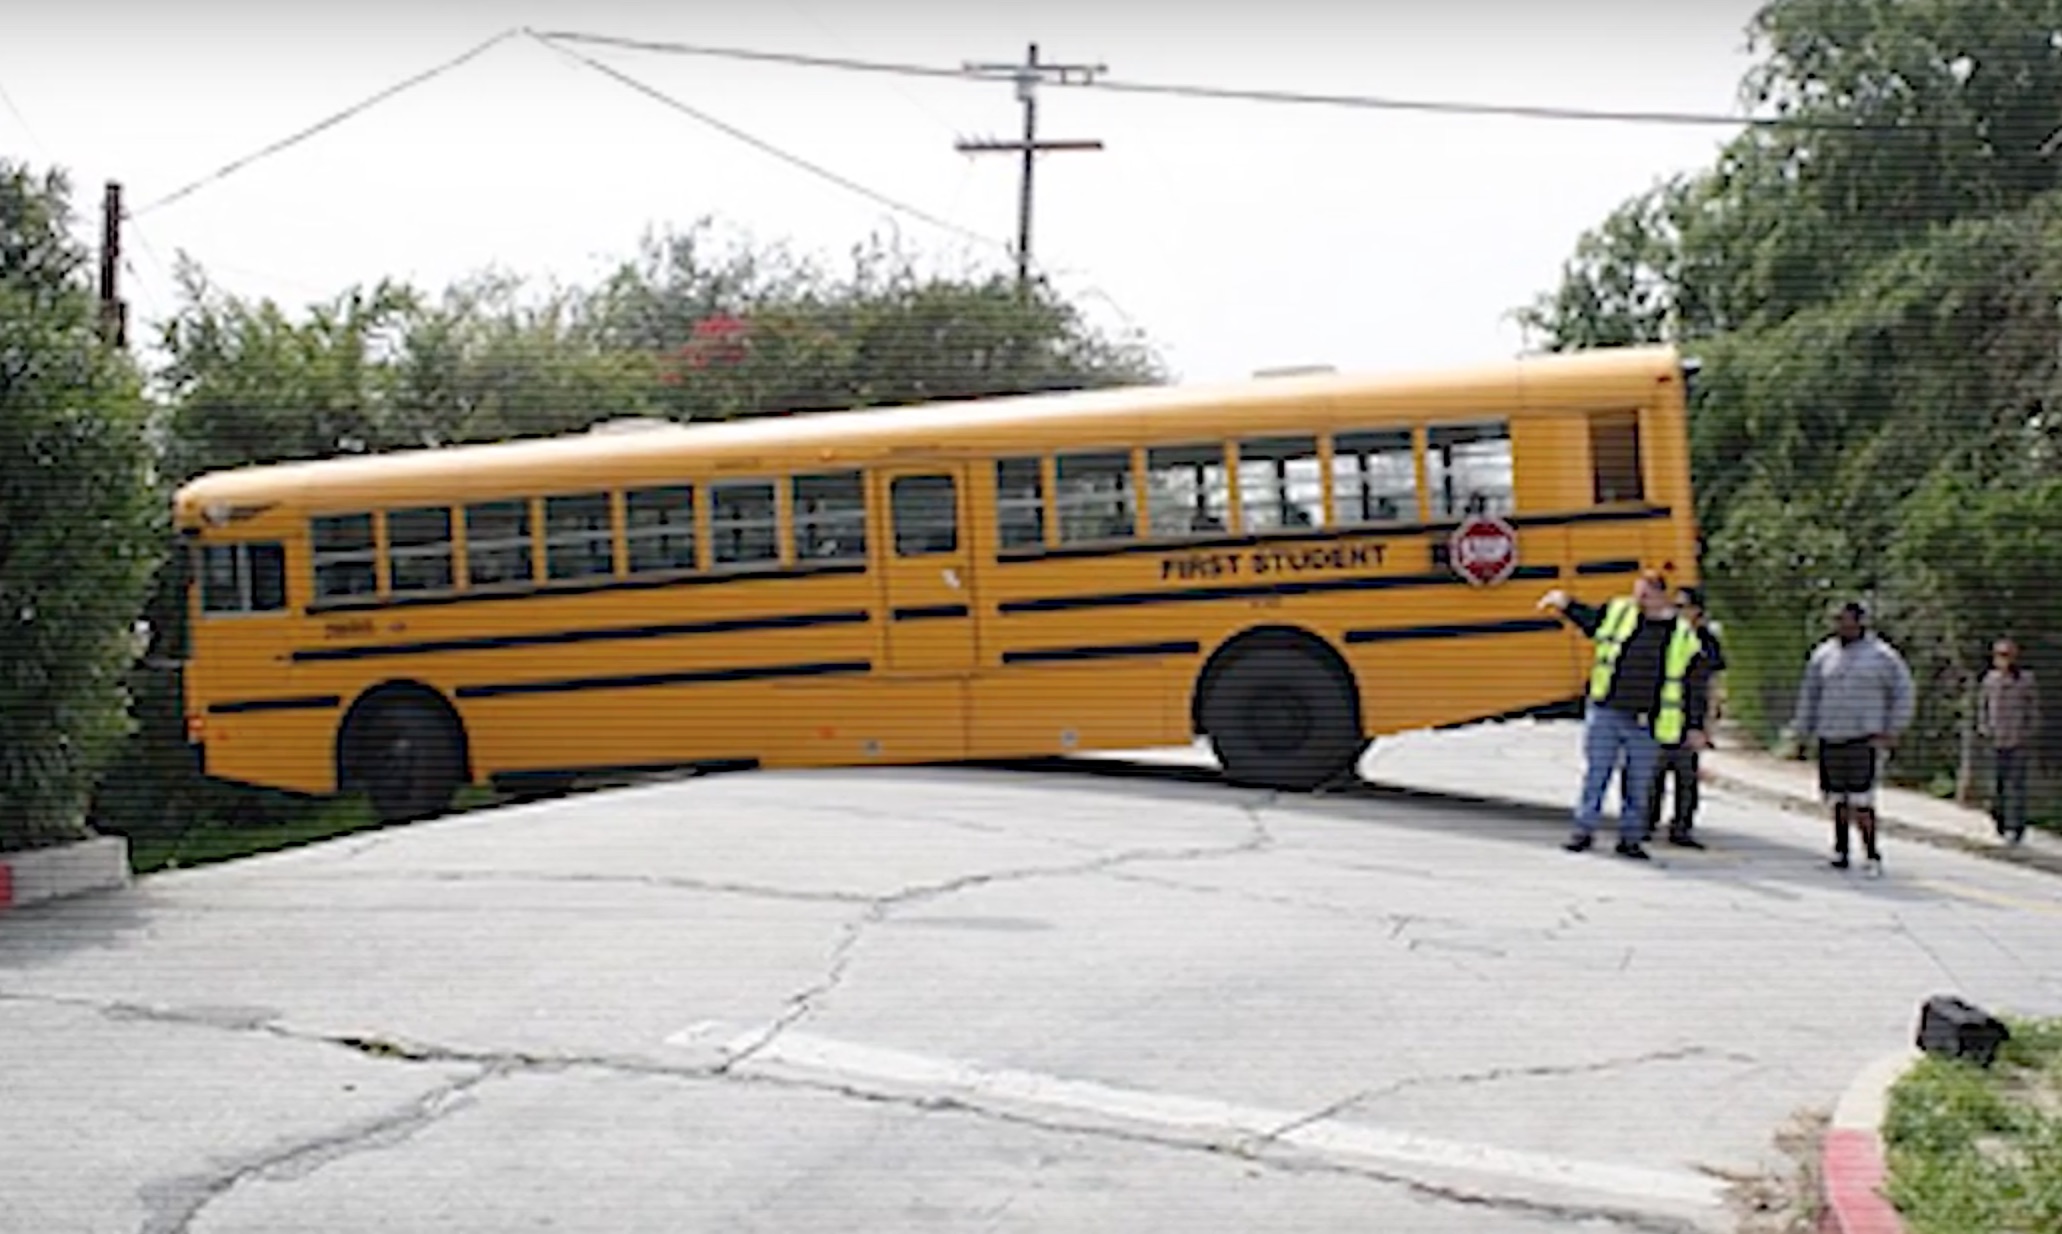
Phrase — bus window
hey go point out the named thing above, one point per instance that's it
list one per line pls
(1094, 497)
(577, 539)
(926, 512)
(1614, 453)
(419, 549)
(744, 524)
(1280, 485)
(830, 517)
(1468, 467)
(1020, 502)
(346, 564)
(659, 529)
(1189, 491)
(1374, 478)
(497, 544)
(243, 578)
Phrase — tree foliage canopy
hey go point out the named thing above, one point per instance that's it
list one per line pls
(79, 521)
(1875, 284)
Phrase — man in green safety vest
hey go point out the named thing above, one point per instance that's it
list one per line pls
(1647, 689)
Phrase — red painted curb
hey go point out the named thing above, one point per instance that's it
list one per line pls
(1852, 1179)
(6, 885)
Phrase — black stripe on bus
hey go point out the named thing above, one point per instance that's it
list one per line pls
(1473, 629)
(368, 604)
(1622, 565)
(1113, 651)
(646, 681)
(1204, 595)
(1286, 539)
(931, 612)
(306, 702)
(555, 638)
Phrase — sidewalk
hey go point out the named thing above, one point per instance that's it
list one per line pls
(1539, 763)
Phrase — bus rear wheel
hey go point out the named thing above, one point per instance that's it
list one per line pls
(1280, 717)
(406, 756)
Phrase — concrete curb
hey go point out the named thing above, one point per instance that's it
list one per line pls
(1851, 1164)
(98, 864)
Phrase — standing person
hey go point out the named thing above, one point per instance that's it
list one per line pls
(1645, 691)
(1679, 760)
(2009, 714)
(1856, 699)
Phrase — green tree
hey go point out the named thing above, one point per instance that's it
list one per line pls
(79, 521)
(1873, 284)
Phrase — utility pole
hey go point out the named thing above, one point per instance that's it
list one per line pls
(114, 315)
(1028, 76)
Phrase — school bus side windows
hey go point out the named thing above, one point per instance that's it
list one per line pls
(1094, 497)
(744, 525)
(578, 541)
(1280, 485)
(243, 578)
(659, 529)
(1374, 477)
(1189, 491)
(1020, 503)
(419, 549)
(830, 517)
(346, 561)
(1468, 468)
(1614, 452)
(498, 549)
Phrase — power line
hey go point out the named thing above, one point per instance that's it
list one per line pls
(320, 126)
(1365, 102)
(766, 147)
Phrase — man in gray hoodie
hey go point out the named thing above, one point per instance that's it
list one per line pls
(1856, 699)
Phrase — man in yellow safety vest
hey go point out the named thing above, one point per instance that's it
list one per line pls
(1647, 689)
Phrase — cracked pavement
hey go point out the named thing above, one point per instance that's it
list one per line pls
(969, 1000)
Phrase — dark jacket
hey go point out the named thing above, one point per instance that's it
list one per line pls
(2010, 711)
(1642, 663)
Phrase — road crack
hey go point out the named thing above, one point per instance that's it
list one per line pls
(1494, 1075)
(175, 1204)
(803, 1003)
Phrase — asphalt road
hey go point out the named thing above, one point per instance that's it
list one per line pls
(968, 1000)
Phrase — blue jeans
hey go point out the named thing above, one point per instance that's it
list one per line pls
(1616, 742)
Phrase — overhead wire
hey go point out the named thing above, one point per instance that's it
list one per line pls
(815, 169)
(294, 139)
(1366, 102)
(766, 147)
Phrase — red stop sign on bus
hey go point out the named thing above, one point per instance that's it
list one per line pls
(1484, 550)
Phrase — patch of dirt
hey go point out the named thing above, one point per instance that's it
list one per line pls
(1783, 1199)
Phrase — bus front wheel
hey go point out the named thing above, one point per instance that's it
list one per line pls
(1281, 717)
(406, 756)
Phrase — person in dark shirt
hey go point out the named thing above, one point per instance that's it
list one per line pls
(1647, 689)
(1679, 761)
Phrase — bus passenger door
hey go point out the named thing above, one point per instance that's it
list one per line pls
(927, 591)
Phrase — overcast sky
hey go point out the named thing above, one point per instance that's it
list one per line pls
(1236, 235)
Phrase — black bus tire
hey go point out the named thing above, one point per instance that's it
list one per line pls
(1280, 717)
(407, 756)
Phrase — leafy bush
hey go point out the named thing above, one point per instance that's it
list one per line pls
(79, 522)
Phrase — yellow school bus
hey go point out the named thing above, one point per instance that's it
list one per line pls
(1270, 563)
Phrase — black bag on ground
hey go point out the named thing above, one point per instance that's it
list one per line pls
(1952, 1028)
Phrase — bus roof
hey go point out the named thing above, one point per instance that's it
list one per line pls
(590, 460)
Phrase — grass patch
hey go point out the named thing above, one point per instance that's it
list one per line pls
(210, 842)
(1971, 1149)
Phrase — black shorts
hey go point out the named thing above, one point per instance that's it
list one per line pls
(1848, 771)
